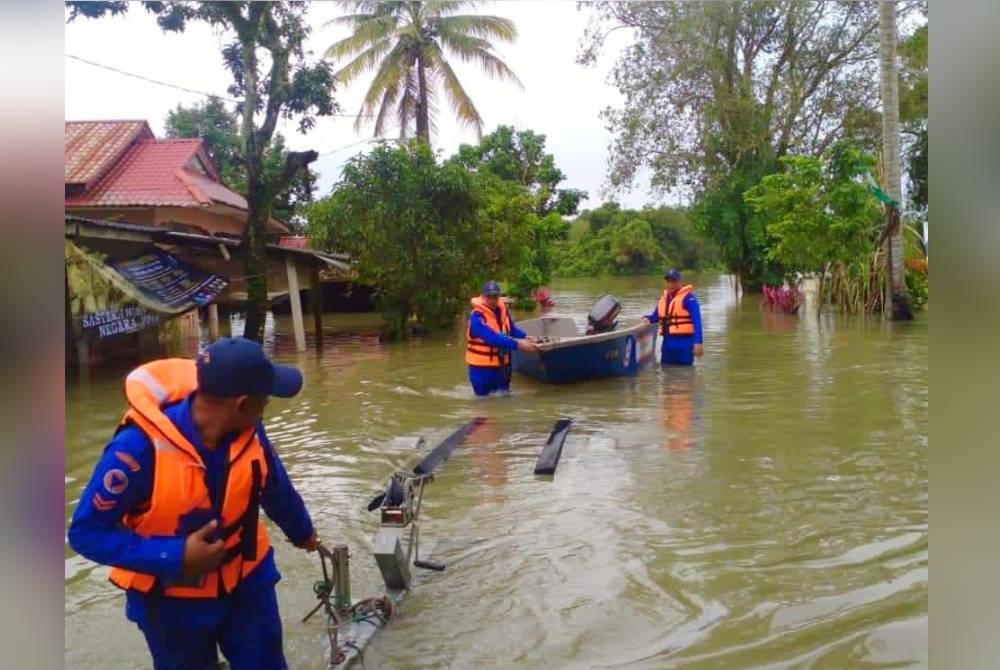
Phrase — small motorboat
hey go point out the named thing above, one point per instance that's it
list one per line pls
(567, 354)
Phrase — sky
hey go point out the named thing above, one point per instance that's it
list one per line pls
(560, 99)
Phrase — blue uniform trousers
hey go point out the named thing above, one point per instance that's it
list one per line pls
(677, 350)
(486, 380)
(183, 633)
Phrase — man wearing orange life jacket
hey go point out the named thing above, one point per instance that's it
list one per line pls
(173, 506)
(679, 316)
(490, 337)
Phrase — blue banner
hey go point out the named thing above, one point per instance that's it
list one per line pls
(162, 278)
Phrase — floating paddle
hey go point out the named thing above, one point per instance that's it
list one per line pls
(439, 453)
(548, 459)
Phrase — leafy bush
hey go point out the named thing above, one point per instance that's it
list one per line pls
(423, 234)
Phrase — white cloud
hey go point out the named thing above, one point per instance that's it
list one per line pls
(560, 98)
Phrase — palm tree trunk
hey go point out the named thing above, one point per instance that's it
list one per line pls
(897, 296)
(423, 116)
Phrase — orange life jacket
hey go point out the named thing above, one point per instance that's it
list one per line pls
(674, 317)
(179, 485)
(477, 352)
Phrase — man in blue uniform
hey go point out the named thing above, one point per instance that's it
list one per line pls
(234, 379)
(679, 316)
(490, 337)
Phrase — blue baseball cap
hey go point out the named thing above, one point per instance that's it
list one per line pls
(234, 366)
(673, 274)
(491, 288)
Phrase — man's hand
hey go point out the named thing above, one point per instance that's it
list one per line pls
(645, 320)
(310, 544)
(697, 350)
(525, 345)
(201, 554)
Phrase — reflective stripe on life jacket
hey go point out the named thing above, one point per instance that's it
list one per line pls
(180, 502)
(477, 351)
(674, 317)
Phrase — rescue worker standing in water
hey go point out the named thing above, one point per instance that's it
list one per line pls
(173, 506)
(490, 337)
(679, 316)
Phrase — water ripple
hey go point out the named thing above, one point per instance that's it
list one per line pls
(765, 509)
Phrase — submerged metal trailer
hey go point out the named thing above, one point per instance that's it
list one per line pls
(352, 625)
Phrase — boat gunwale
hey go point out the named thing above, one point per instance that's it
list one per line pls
(564, 342)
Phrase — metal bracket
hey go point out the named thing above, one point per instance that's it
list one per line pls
(400, 510)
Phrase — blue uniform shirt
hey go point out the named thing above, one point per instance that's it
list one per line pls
(478, 328)
(123, 482)
(691, 305)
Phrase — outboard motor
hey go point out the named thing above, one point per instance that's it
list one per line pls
(603, 315)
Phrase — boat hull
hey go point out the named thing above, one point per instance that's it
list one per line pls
(574, 359)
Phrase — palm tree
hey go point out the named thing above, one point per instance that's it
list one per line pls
(406, 43)
(897, 298)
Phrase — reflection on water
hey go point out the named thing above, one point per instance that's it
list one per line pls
(765, 508)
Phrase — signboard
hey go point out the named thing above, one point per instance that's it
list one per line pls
(164, 281)
(117, 321)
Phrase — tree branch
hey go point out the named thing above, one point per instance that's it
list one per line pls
(294, 161)
(277, 94)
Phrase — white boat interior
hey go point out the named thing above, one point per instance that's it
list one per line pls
(554, 332)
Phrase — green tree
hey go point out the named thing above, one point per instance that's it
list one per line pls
(218, 129)
(520, 157)
(721, 215)
(633, 247)
(603, 216)
(411, 46)
(818, 213)
(715, 93)
(913, 111)
(618, 242)
(424, 234)
(678, 239)
(274, 80)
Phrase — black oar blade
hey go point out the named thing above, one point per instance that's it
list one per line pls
(376, 502)
(429, 565)
(548, 459)
(443, 450)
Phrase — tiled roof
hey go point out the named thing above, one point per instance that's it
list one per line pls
(156, 173)
(93, 147)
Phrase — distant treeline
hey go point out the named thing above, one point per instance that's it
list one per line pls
(610, 240)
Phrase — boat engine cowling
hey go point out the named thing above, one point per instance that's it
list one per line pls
(603, 315)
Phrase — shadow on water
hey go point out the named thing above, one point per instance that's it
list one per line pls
(765, 508)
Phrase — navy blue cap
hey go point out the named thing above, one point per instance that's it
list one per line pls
(491, 288)
(673, 274)
(237, 366)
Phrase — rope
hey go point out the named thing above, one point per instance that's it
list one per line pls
(376, 611)
(361, 654)
(323, 589)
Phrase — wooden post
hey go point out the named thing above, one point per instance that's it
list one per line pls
(296, 300)
(213, 322)
(316, 298)
(72, 362)
(83, 358)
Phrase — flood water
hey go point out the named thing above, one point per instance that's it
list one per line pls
(766, 508)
